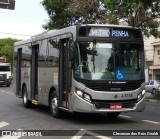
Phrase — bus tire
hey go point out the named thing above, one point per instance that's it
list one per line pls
(113, 115)
(55, 112)
(26, 102)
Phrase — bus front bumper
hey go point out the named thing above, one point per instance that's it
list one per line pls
(81, 105)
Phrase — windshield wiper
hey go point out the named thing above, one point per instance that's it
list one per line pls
(94, 53)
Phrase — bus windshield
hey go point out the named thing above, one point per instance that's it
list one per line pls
(109, 61)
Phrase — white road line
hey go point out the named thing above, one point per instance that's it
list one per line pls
(125, 116)
(153, 122)
(82, 132)
(9, 93)
(3, 123)
(10, 137)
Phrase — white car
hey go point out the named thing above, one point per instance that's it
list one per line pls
(152, 86)
(5, 74)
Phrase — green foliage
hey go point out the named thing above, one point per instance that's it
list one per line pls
(63, 13)
(57, 11)
(6, 48)
(156, 95)
(137, 13)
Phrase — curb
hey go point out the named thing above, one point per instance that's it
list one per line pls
(152, 100)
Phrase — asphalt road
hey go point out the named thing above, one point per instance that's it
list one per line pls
(13, 116)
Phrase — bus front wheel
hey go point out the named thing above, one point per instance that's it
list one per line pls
(26, 102)
(55, 112)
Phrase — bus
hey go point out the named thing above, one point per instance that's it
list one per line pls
(88, 68)
(5, 74)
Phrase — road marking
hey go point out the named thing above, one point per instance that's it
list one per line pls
(3, 123)
(125, 116)
(10, 137)
(82, 132)
(9, 93)
(153, 122)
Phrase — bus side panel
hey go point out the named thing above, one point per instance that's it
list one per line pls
(47, 71)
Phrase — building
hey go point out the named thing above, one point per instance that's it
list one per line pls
(154, 69)
(2, 60)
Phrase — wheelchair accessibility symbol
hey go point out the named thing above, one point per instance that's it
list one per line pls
(119, 74)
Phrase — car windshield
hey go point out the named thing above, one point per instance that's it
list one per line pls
(109, 61)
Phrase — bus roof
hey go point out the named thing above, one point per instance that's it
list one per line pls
(51, 33)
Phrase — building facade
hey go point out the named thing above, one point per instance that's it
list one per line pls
(154, 69)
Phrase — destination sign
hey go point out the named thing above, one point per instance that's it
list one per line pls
(105, 32)
(109, 32)
(101, 32)
(120, 33)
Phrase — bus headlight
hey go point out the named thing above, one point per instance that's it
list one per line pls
(83, 95)
(140, 95)
(79, 93)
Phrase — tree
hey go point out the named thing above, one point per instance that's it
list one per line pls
(63, 13)
(6, 48)
(57, 11)
(137, 13)
(85, 11)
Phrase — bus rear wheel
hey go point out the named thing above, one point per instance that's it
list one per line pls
(55, 112)
(26, 102)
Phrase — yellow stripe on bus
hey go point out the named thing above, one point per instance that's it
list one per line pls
(35, 102)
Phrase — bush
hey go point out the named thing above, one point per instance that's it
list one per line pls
(156, 95)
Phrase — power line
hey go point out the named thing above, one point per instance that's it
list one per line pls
(14, 34)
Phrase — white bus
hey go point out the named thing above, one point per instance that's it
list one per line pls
(5, 74)
(85, 68)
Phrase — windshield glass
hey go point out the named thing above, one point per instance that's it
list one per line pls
(5, 68)
(109, 61)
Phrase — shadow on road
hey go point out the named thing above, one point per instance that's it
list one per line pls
(84, 118)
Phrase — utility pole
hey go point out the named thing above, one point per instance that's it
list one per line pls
(7, 4)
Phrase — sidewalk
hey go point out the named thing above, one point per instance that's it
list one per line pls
(148, 97)
(152, 100)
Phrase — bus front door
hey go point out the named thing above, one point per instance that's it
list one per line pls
(34, 72)
(18, 72)
(64, 73)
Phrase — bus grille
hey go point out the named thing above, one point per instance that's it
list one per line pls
(112, 87)
(3, 77)
(106, 103)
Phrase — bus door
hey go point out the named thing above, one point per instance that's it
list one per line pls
(34, 72)
(64, 73)
(18, 72)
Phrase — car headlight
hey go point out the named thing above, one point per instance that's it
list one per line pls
(83, 95)
(140, 95)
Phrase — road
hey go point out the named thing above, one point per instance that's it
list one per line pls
(13, 116)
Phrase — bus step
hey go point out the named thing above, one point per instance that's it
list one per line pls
(35, 102)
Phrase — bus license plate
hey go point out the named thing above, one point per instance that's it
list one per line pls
(115, 106)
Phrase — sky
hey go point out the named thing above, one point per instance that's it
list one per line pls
(26, 19)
